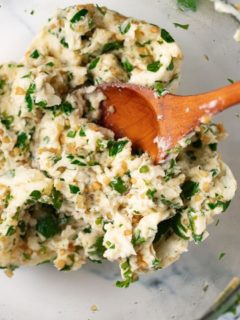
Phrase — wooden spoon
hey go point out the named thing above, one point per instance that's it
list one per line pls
(155, 123)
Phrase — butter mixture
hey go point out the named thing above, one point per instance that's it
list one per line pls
(70, 192)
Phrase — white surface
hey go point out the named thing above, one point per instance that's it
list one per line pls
(175, 293)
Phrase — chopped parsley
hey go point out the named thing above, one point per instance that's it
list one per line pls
(21, 140)
(110, 46)
(10, 231)
(6, 120)
(79, 15)
(124, 28)
(127, 274)
(118, 185)
(221, 255)
(87, 229)
(219, 203)
(160, 88)
(166, 36)
(170, 171)
(183, 26)
(178, 227)
(170, 66)
(71, 134)
(154, 66)
(189, 189)
(57, 198)
(156, 264)
(214, 172)
(93, 63)
(110, 245)
(127, 66)
(74, 189)
(28, 97)
(191, 217)
(230, 80)
(48, 224)
(35, 195)
(151, 193)
(213, 146)
(50, 64)
(169, 203)
(2, 84)
(64, 43)
(82, 132)
(137, 239)
(66, 107)
(35, 54)
(115, 147)
(98, 249)
(187, 4)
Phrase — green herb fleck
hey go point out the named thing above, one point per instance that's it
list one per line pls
(6, 120)
(93, 63)
(99, 221)
(98, 248)
(2, 84)
(189, 189)
(57, 199)
(196, 237)
(170, 66)
(178, 227)
(127, 274)
(118, 185)
(48, 226)
(124, 28)
(154, 67)
(137, 240)
(35, 54)
(127, 66)
(74, 189)
(66, 107)
(183, 26)
(160, 88)
(28, 98)
(71, 134)
(151, 193)
(87, 229)
(213, 146)
(110, 46)
(64, 43)
(187, 5)
(115, 147)
(35, 195)
(82, 132)
(50, 64)
(21, 140)
(221, 255)
(219, 203)
(166, 36)
(10, 231)
(79, 15)
(110, 245)
(230, 80)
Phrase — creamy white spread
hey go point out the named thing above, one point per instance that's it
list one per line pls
(69, 191)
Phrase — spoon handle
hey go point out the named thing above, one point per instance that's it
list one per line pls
(218, 100)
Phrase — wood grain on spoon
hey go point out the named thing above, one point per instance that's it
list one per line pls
(154, 123)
